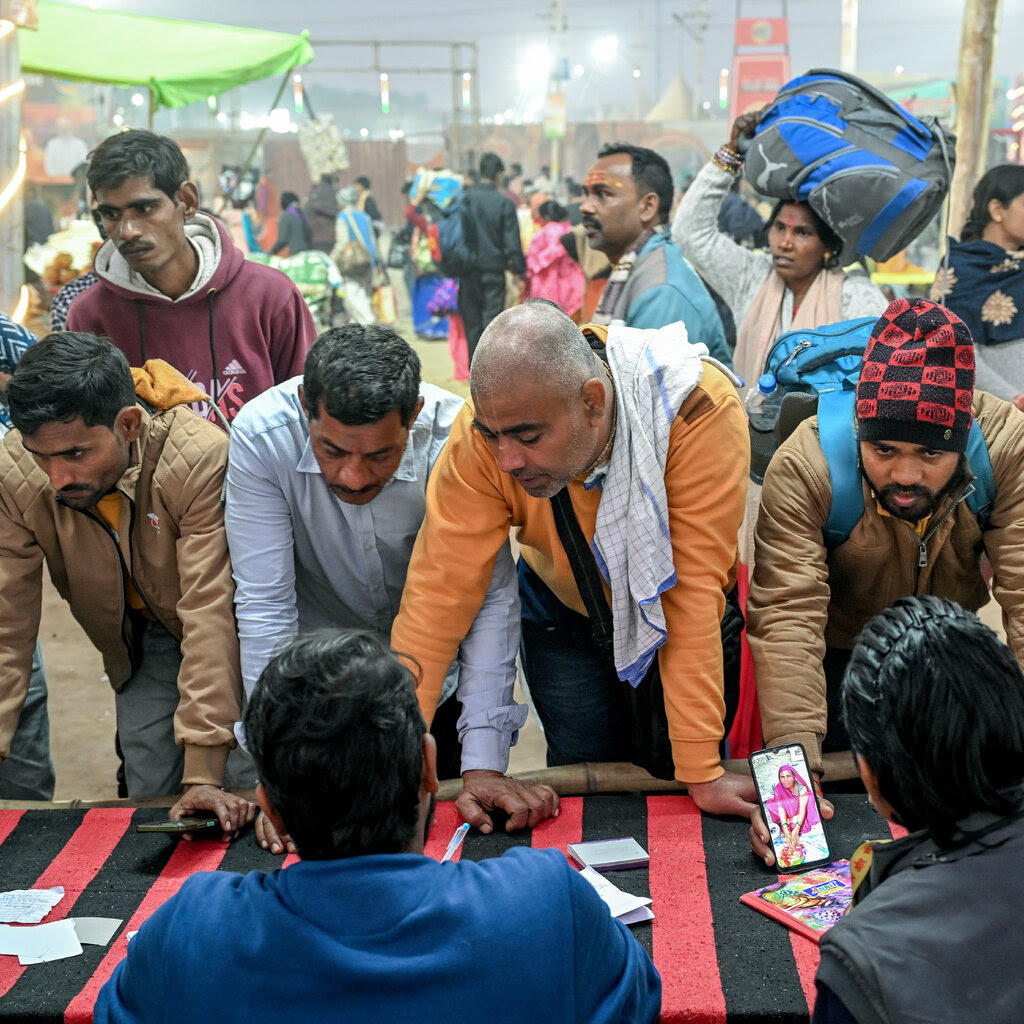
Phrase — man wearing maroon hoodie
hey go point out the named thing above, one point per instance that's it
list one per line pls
(174, 286)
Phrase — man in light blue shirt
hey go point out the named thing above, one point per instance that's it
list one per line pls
(326, 492)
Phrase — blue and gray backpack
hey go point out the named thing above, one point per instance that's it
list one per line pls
(873, 172)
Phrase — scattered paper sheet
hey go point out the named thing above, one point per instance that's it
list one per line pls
(28, 906)
(41, 943)
(96, 931)
(627, 908)
(636, 916)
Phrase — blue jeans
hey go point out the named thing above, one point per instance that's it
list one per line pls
(583, 705)
(579, 698)
(27, 773)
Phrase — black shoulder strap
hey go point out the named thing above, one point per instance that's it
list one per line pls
(585, 572)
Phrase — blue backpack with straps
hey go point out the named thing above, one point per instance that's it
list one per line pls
(816, 372)
(806, 364)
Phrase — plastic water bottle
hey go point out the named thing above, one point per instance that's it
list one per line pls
(762, 403)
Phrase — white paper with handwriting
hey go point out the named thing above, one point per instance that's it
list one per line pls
(625, 907)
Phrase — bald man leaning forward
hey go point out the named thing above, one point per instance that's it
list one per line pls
(652, 451)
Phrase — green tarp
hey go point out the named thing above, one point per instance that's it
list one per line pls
(181, 62)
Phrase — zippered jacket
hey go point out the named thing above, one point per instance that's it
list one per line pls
(920, 944)
(804, 597)
(172, 545)
(705, 479)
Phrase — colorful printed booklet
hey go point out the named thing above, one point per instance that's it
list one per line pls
(809, 903)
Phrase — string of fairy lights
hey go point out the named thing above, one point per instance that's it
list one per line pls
(9, 92)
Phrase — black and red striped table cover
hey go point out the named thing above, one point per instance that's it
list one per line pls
(719, 960)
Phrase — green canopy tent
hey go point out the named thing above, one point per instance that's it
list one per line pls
(180, 62)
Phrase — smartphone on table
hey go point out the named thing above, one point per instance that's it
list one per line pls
(785, 791)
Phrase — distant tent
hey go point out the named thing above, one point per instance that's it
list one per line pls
(674, 105)
(180, 62)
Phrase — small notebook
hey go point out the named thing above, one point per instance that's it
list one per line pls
(809, 903)
(609, 854)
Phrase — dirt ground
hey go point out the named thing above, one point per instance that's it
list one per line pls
(82, 702)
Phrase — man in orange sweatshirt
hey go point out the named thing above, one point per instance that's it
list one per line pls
(652, 451)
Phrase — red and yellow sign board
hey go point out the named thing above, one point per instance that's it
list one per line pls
(755, 81)
(762, 32)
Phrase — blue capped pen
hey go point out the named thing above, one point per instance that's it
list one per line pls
(456, 842)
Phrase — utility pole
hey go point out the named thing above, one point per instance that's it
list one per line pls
(456, 161)
(555, 115)
(973, 99)
(695, 25)
(848, 40)
(658, 87)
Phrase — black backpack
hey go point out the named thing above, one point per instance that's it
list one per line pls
(456, 236)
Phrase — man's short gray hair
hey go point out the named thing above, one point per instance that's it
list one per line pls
(535, 340)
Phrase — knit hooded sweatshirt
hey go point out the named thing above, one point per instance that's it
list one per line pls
(240, 328)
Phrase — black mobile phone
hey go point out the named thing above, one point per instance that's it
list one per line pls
(785, 791)
(181, 825)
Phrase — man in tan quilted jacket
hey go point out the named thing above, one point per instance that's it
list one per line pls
(120, 493)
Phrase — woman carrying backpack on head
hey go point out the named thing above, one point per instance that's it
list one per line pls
(796, 284)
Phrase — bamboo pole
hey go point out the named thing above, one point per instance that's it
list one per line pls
(973, 99)
(567, 780)
(621, 777)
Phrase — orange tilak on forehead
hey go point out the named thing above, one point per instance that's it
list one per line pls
(601, 178)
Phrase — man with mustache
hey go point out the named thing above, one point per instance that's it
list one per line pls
(627, 205)
(648, 453)
(917, 535)
(174, 286)
(327, 480)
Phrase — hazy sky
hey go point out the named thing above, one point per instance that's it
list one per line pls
(921, 35)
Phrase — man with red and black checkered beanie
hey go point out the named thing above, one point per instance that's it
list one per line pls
(917, 533)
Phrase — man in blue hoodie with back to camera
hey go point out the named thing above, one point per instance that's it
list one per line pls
(366, 928)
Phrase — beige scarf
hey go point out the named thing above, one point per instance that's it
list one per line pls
(823, 304)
